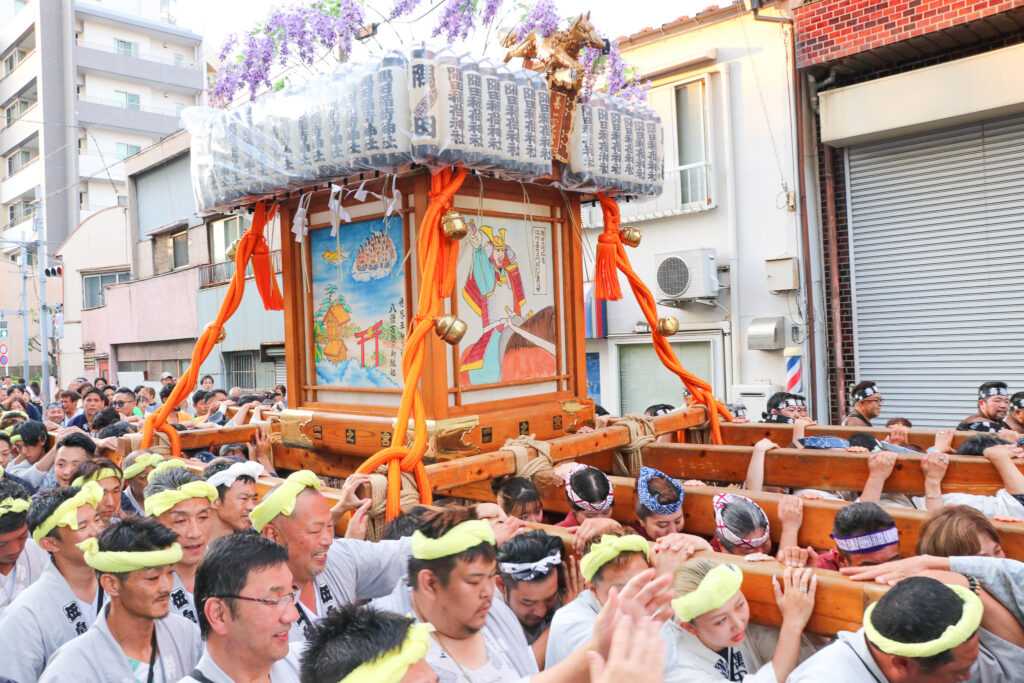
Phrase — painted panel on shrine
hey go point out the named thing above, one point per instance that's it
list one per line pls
(359, 304)
(507, 298)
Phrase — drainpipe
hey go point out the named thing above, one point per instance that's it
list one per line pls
(735, 328)
(833, 276)
(811, 366)
(796, 103)
(755, 6)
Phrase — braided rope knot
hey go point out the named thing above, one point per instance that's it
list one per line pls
(629, 458)
(540, 470)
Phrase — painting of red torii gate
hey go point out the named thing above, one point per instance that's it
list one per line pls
(372, 332)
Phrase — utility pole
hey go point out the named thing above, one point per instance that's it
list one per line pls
(23, 257)
(44, 314)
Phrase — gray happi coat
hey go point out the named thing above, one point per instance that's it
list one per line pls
(97, 658)
(44, 617)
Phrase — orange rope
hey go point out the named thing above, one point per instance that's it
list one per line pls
(611, 255)
(252, 245)
(437, 258)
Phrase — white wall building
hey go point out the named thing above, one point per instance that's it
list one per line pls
(722, 82)
(83, 86)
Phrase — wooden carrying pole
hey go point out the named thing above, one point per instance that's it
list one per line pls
(484, 467)
(747, 434)
(828, 470)
(700, 519)
(839, 605)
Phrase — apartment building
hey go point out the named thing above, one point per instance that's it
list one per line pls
(83, 86)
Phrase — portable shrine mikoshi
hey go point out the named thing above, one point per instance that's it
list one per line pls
(432, 294)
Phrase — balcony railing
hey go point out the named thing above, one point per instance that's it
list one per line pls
(687, 189)
(214, 274)
(20, 62)
(121, 105)
(186, 63)
(8, 122)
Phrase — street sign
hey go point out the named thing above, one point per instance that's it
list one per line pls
(3, 349)
(3, 359)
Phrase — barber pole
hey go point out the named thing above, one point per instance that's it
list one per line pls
(794, 370)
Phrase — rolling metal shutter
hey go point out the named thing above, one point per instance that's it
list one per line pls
(937, 253)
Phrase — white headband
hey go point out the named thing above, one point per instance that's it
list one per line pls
(528, 571)
(239, 469)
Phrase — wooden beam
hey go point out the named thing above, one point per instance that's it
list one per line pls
(838, 606)
(747, 434)
(828, 470)
(474, 468)
(700, 519)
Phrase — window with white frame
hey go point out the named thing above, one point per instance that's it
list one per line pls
(223, 233)
(15, 109)
(126, 48)
(127, 100)
(94, 284)
(19, 211)
(14, 59)
(693, 158)
(125, 150)
(17, 160)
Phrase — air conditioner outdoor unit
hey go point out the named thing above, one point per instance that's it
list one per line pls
(754, 397)
(686, 275)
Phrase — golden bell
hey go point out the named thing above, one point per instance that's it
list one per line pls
(450, 329)
(454, 226)
(230, 252)
(630, 236)
(221, 336)
(667, 326)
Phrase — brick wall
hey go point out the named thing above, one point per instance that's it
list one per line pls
(831, 29)
(845, 293)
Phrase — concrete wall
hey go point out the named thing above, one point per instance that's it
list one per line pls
(753, 148)
(250, 326)
(99, 244)
(144, 311)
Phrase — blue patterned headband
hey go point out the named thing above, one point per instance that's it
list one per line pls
(648, 501)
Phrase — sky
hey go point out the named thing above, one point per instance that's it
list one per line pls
(216, 20)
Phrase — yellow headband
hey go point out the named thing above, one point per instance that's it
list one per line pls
(140, 463)
(119, 562)
(391, 666)
(955, 634)
(165, 465)
(458, 539)
(66, 513)
(608, 548)
(13, 504)
(281, 501)
(159, 503)
(104, 473)
(716, 589)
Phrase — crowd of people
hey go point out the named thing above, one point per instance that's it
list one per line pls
(150, 570)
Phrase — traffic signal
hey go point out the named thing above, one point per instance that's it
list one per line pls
(3, 328)
(56, 271)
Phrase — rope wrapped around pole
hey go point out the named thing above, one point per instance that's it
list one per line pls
(611, 255)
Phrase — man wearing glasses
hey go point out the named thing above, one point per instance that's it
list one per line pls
(993, 406)
(867, 399)
(246, 603)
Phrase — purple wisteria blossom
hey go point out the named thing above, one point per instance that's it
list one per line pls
(402, 8)
(541, 18)
(457, 20)
(297, 31)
